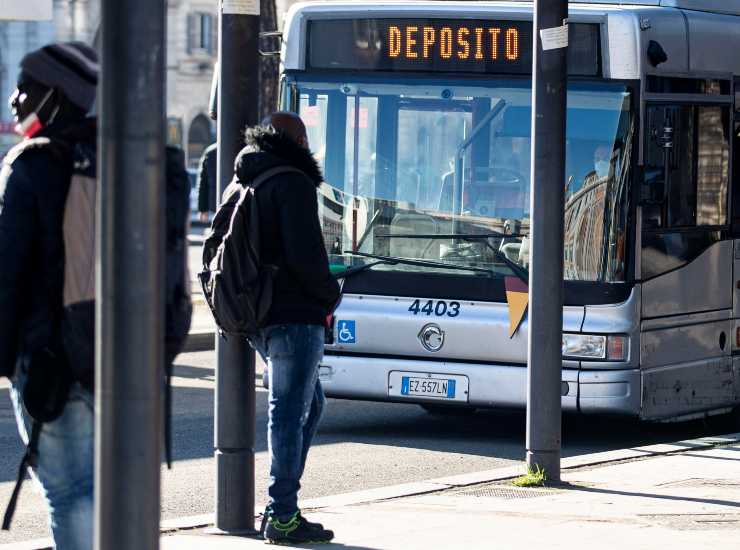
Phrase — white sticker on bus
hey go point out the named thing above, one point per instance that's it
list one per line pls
(240, 7)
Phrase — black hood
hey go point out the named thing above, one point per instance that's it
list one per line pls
(267, 148)
(79, 130)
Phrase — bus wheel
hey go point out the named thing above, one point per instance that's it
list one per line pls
(448, 410)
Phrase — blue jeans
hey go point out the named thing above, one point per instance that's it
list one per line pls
(65, 466)
(296, 401)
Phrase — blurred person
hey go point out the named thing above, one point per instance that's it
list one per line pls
(46, 294)
(207, 173)
(304, 295)
(602, 160)
(55, 91)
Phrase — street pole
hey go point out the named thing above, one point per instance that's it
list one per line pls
(549, 90)
(130, 276)
(238, 98)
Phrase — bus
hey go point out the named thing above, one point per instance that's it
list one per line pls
(419, 113)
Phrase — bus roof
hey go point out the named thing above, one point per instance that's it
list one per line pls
(728, 7)
(689, 31)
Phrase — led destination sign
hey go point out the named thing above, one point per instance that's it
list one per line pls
(438, 45)
(445, 42)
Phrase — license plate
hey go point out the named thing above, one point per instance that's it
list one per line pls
(432, 386)
(428, 387)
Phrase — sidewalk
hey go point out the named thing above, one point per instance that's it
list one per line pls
(202, 327)
(680, 496)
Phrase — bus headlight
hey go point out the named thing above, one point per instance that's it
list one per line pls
(595, 347)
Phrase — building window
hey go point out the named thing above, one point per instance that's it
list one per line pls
(202, 33)
(200, 136)
(174, 131)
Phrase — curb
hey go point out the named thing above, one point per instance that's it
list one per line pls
(34, 544)
(443, 483)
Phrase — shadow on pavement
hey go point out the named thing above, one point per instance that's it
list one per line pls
(697, 500)
(337, 545)
(713, 457)
(490, 434)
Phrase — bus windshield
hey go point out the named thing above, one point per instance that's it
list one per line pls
(440, 172)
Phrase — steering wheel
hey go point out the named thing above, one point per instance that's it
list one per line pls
(484, 196)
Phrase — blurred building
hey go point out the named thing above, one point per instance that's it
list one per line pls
(192, 47)
(16, 38)
(191, 52)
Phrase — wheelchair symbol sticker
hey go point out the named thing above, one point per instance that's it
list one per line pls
(346, 332)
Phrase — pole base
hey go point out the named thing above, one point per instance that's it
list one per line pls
(549, 461)
(234, 491)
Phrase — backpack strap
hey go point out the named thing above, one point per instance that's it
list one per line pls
(29, 459)
(25, 145)
(268, 174)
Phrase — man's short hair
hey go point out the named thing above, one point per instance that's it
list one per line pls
(288, 123)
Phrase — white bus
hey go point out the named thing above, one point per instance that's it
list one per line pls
(420, 114)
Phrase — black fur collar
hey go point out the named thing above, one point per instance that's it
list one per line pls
(262, 140)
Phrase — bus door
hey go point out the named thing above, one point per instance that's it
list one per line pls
(686, 263)
(735, 197)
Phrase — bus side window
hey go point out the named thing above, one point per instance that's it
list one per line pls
(686, 167)
(667, 195)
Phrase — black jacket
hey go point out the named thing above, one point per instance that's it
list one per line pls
(34, 180)
(305, 291)
(207, 180)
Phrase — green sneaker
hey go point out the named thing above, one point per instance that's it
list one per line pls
(297, 530)
(316, 526)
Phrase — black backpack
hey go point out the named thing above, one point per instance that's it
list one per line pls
(236, 284)
(78, 316)
(77, 324)
(178, 305)
(49, 379)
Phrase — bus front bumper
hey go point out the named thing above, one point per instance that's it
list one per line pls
(488, 385)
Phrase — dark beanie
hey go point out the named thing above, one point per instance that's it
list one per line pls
(72, 67)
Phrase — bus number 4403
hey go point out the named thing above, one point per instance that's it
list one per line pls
(439, 308)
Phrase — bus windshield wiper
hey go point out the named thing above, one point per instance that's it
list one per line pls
(469, 236)
(360, 268)
(393, 260)
(519, 271)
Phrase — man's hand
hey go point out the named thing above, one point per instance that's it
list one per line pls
(203, 216)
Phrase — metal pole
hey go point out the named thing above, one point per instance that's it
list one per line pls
(549, 90)
(130, 276)
(238, 95)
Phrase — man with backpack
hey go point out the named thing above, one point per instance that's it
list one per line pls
(55, 91)
(47, 249)
(274, 287)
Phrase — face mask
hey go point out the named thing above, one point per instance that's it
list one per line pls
(602, 168)
(32, 125)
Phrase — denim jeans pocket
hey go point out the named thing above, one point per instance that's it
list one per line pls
(280, 341)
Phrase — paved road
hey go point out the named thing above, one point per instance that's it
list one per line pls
(360, 445)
